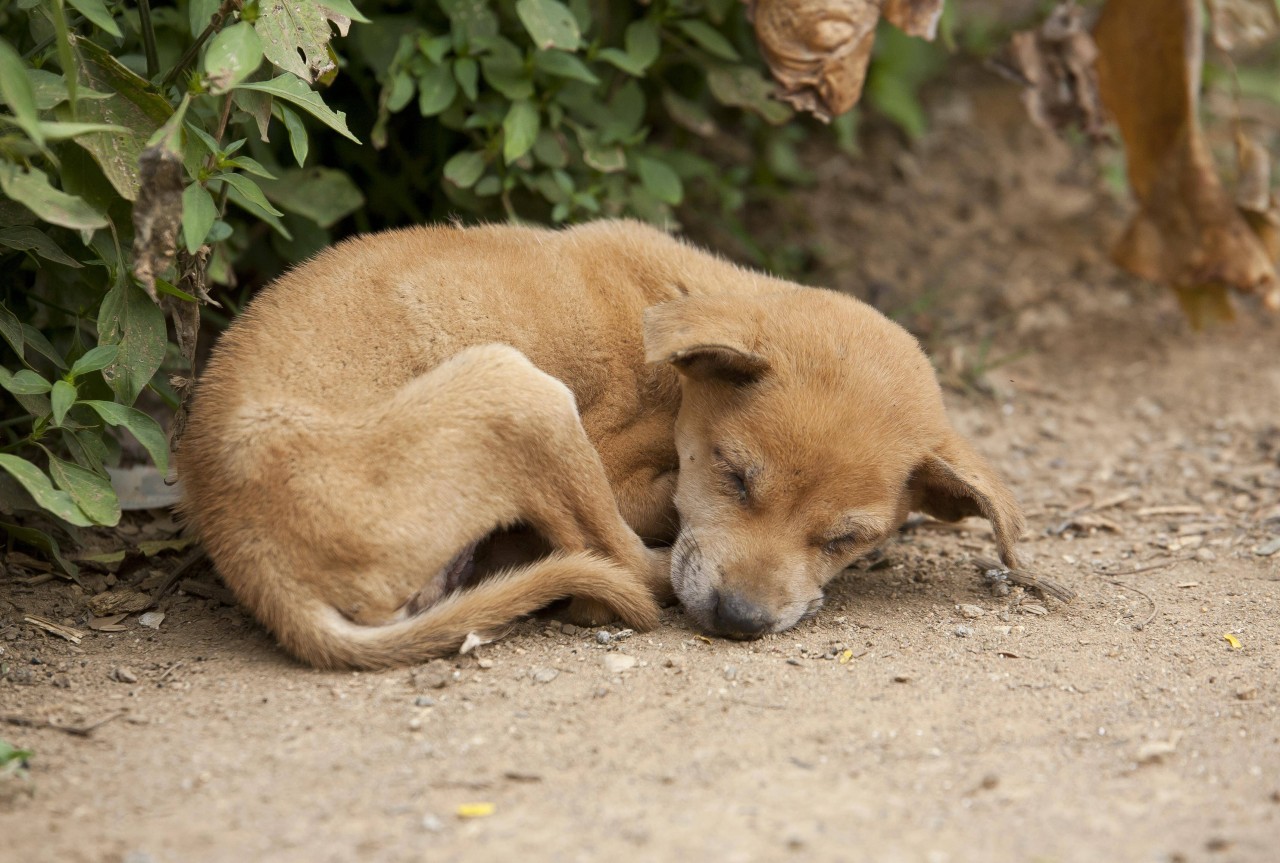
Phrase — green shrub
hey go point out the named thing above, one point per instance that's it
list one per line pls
(237, 133)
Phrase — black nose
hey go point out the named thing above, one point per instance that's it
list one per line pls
(737, 617)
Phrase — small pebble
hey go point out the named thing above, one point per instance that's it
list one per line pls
(1247, 693)
(570, 629)
(603, 637)
(1268, 548)
(972, 612)
(123, 674)
(485, 663)
(731, 672)
(615, 663)
(424, 701)
(432, 823)
(1205, 555)
(545, 675)
(902, 678)
(963, 631)
(415, 724)
(794, 662)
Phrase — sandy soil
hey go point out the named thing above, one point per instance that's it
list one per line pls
(923, 716)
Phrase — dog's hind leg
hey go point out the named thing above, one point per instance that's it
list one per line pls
(482, 442)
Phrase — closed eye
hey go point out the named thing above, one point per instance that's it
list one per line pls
(844, 544)
(735, 479)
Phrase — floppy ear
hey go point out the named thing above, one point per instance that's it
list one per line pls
(705, 338)
(953, 481)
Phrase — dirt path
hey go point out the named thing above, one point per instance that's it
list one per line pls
(922, 717)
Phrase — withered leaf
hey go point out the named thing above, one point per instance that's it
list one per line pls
(1056, 66)
(1188, 232)
(157, 214)
(1242, 25)
(818, 50)
(914, 17)
(122, 601)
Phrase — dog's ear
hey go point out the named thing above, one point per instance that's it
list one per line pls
(705, 338)
(953, 481)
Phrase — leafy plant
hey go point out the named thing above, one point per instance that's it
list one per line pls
(153, 159)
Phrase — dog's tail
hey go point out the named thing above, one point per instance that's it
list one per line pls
(318, 634)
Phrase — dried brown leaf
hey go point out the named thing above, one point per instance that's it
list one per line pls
(1243, 24)
(818, 50)
(1188, 232)
(157, 214)
(914, 17)
(1056, 66)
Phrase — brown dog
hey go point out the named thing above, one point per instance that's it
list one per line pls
(386, 433)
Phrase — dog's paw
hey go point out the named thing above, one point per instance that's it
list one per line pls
(589, 612)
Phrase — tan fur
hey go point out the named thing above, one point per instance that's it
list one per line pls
(409, 398)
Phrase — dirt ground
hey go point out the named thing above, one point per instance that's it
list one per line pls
(923, 716)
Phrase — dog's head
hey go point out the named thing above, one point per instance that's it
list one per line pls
(810, 426)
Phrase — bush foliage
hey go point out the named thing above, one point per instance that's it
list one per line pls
(249, 134)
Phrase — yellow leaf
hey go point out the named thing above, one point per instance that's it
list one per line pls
(475, 810)
(1232, 640)
(845, 657)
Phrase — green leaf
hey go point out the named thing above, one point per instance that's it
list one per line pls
(436, 90)
(292, 89)
(662, 182)
(345, 8)
(323, 195)
(508, 76)
(708, 38)
(96, 11)
(295, 35)
(251, 166)
(41, 540)
(643, 42)
(64, 396)
(95, 359)
(163, 287)
(564, 65)
(250, 191)
(36, 340)
(400, 93)
(745, 87)
(464, 169)
(42, 491)
(235, 196)
(298, 141)
(11, 331)
(198, 215)
(24, 382)
(622, 60)
(435, 48)
(57, 131)
(87, 448)
(17, 93)
(31, 187)
(143, 427)
(50, 89)
(134, 104)
(28, 239)
(472, 20)
(519, 130)
(550, 24)
(92, 493)
(233, 55)
(467, 73)
(128, 318)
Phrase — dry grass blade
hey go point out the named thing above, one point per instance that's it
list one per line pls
(1023, 578)
(73, 635)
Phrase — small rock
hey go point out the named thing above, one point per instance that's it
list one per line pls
(616, 663)
(1247, 693)
(436, 674)
(1205, 555)
(432, 823)
(989, 781)
(963, 631)
(545, 675)
(972, 612)
(62, 681)
(795, 662)
(485, 663)
(1155, 751)
(731, 672)
(570, 629)
(415, 724)
(1268, 548)
(152, 619)
(603, 637)
(123, 674)
(902, 678)
(424, 701)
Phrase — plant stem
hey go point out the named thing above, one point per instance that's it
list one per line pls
(69, 71)
(148, 38)
(193, 49)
